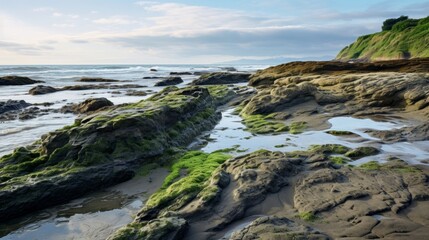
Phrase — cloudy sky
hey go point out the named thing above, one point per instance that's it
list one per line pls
(186, 31)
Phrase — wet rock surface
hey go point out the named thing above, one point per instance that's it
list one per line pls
(89, 105)
(269, 75)
(277, 228)
(169, 82)
(40, 90)
(20, 110)
(97, 80)
(340, 201)
(12, 105)
(111, 140)
(410, 134)
(180, 73)
(16, 80)
(222, 78)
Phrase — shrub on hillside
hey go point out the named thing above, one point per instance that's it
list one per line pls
(389, 23)
(401, 26)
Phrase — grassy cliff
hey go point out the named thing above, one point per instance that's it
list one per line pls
(401, 38)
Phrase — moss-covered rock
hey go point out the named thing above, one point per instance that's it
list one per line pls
(110, 140)
(164, 228)
(361, 152)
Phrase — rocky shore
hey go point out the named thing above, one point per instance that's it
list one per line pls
(102, 149)
(323, 192)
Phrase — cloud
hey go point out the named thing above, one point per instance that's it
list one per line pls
(174, 32)
(377, 11)
(24, 49)
(186, 31)
(43, 9)
(64, 25)
(146, 3)
(115, 20)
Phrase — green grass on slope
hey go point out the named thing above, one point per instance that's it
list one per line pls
(408, 38)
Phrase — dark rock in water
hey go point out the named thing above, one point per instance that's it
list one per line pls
(229, 69)
(17, 80)
(153, 70)
(24, 114)
(410, 134)
(101, 149)
(89, 105)
(136, 93)
(101, 86)
(180, 73)
(41, 89)
(222, 78)
(97, 80)
(152, 77)
(13, 110)
(169, 81)
(201, 73)
(12, 105)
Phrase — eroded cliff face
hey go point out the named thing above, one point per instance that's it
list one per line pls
(101, 149)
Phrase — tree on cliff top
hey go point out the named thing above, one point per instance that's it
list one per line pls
(388, 24)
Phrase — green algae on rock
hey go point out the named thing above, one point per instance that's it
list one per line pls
(101, 149)
(188, 180)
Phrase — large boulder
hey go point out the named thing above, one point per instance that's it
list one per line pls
(169, 82)
(89, 105)
(41, 89)
(17, 80)
(222, 78)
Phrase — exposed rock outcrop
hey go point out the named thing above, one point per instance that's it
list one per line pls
(341, 201)
(169, 82)
(12, 105)
(101, 149)
(97, 80)
(222, 78)
(180, 73)
(41, 89)
(410, 134)
(17, 80)
(89, 105)
(345, 94)
(332, 68)
(277, 228)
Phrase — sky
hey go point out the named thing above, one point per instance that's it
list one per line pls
(187, 31)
